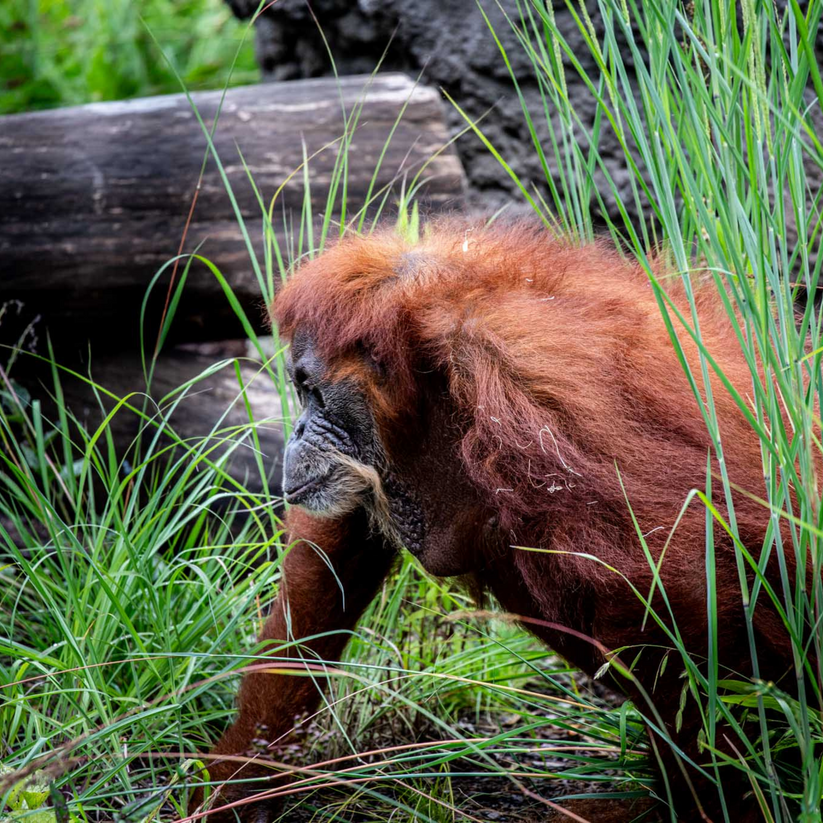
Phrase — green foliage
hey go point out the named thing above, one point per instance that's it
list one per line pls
(120, 594)
(26, 798)
(65, 52)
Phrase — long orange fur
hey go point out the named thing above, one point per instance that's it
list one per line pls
(564, 399)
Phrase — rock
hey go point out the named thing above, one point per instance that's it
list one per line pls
(449, 42)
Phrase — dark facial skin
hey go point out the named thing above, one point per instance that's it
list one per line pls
(425, 488)
(335, 422)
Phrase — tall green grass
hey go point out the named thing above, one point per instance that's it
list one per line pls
(711, 106)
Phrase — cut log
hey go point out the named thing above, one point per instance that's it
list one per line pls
(94, 199)
(212, 410)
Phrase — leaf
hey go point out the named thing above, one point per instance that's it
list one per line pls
(43, 816)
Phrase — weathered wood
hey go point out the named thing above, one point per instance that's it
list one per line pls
(212, 404)
(94, 199)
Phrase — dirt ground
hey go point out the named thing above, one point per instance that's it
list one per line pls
(490, 798)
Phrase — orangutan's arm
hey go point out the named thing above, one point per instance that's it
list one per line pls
(312, 600)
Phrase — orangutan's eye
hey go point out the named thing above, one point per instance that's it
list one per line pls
(306, 389)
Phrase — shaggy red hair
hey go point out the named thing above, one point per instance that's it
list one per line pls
(559, 359)
(553, 369)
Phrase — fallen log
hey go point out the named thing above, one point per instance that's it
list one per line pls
(210, 412)
(94, 199)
